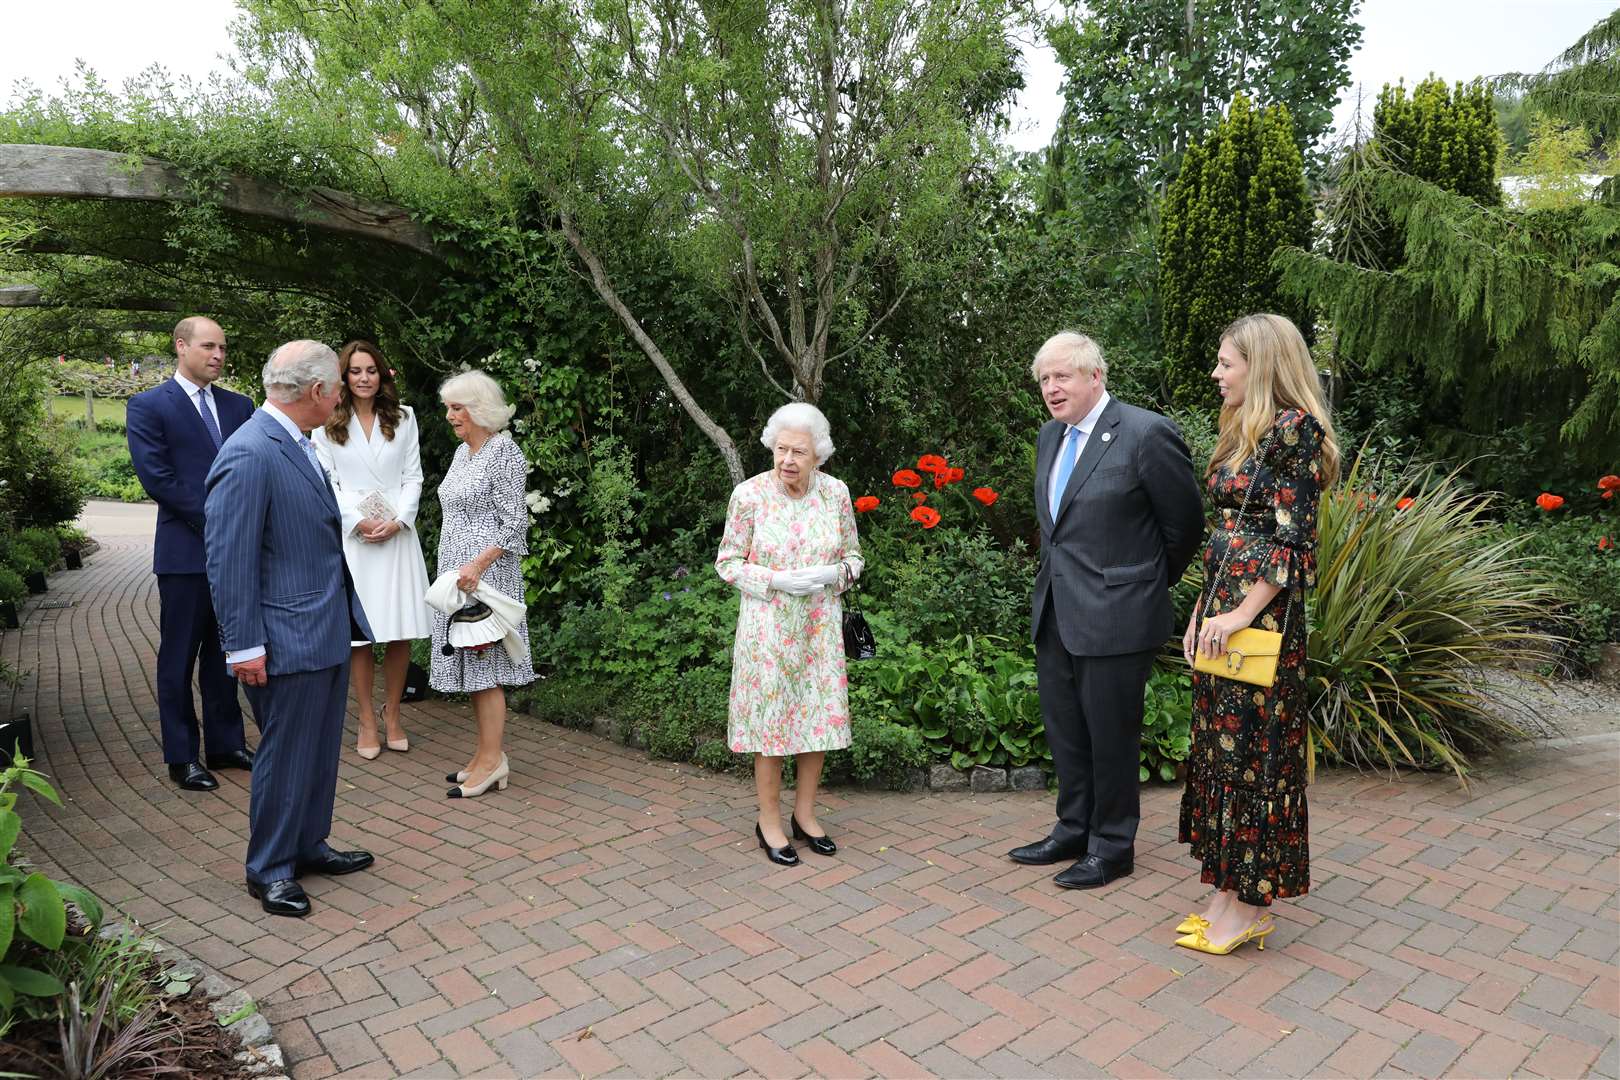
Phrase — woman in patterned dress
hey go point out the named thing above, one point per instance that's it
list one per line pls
(482, 540)
(1243, 811)
(790, 548)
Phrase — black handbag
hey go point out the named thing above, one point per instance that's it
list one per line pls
(859, 644)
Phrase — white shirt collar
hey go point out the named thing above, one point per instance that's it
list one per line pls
(187, 385)
(1089, 421)
(284, 420)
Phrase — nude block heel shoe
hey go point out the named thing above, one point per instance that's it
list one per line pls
(497, 779)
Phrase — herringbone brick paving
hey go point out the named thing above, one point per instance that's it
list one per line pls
(609, 914)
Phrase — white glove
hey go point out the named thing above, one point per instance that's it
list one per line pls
(822, 575)
(793, 582)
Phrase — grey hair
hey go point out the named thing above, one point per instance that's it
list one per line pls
(481, 396)
(1074, 351)
(800, 416)
(296, 366)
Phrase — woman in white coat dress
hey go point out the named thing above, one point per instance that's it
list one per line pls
(369, 449)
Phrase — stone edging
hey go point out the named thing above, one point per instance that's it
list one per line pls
(262, 1057)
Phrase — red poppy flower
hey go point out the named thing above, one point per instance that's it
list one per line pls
(919, 497)
(985, 495)
(1608, 483)
(926, 516)
(941, 478)
(932, 463)
(907, 478)
(1404, 503)
(1608, 494)
(1548, 501)
(1605, 544)
(865, 503)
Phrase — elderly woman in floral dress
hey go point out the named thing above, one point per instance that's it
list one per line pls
(790, 548)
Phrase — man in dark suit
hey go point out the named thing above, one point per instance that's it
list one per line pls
(1120, 518)
(174, 431)
(287, 613)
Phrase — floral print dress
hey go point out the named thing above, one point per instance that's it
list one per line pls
(789, 688)
(483, 503)
(1243, 810)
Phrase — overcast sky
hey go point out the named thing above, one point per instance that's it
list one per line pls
(1456, 39)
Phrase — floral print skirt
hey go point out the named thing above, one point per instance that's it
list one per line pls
(1243, 811)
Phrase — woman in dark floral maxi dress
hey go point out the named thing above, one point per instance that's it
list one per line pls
(1243, 811)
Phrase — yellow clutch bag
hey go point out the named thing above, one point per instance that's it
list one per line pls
(1251, 657)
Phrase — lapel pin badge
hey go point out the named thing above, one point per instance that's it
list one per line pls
(1107, 435)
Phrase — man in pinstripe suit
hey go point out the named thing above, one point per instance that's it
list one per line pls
(287, 612)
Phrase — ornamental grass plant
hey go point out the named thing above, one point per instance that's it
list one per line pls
(1418, 592)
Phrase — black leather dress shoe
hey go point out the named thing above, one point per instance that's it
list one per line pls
(821, 845)
(781, 856)
(284, 897)
(1048, 851)
(234, 759)
(1093, 872)
(335, 862)
(192, 776)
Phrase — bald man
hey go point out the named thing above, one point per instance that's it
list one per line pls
(174, 431)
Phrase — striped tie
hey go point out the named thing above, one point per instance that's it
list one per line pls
(208, 417)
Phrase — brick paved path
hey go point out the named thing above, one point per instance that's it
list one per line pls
(609, 915)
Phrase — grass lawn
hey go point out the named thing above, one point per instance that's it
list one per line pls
(101, 455)
(71, 407)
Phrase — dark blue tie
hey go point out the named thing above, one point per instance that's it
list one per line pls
(1065, 467)
(208, 417)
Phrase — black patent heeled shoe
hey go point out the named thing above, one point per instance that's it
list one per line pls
(821, 845)
(781, 856)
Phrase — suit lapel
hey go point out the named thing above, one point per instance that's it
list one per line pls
(1098, 443)
(188, 406)
(295, 454)
(1044, 452)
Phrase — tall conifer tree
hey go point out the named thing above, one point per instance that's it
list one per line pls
(1240, 196)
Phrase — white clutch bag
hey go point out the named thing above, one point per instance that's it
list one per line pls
(375, 506)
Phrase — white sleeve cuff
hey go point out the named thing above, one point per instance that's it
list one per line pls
(242, 656)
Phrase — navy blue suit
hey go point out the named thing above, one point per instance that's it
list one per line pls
(172, 453)
(275, 565)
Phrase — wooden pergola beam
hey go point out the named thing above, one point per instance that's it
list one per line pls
(30, 170)
(30, 296)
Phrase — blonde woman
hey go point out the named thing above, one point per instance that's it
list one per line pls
(1243, 810)
(482, 540)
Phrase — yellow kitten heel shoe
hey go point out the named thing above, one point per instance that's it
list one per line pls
(1256, 933)
(1193, 923)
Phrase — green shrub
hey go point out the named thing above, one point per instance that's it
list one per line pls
(972, 699)
(44, 545)
(676, 715)
(957, 582)
(1166, 721)
(11, 584)
(19, 556)
(1588, 580)
(33, 912)
(1410, 605)
(880, 753)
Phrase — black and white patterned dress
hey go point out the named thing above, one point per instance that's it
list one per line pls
(483, 504)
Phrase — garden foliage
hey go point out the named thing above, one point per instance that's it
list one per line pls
(1239, 197)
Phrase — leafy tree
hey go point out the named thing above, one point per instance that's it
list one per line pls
(1554, 167)
(1514, 313)
(1240, 196)
(1147, 78)
(792, 153)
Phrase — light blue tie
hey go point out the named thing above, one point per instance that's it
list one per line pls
(309, 452)
(1066, 457)
(208, 417)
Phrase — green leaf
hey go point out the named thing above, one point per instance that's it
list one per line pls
(43, 917)
(1142, 773)
(28, 981)
(40, 786)
(10, 826)
(8, 917)
(81, 898)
